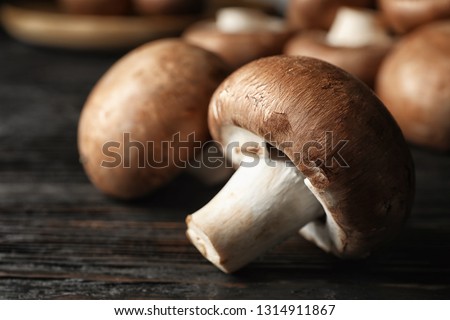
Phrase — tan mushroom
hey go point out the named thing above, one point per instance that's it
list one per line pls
(357, 42)
(147, 115)
(306, 108)
(405, 15)
(414, 83)
(318, 14)
(240, 35)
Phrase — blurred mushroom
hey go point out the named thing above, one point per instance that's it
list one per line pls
(318, 14)
(414, 83)
(147, 116)
(405, 15)
(162, 7)
(240, 35)
(95, 7)
(357, 42)
(347, 204)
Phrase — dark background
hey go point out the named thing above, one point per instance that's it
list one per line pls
(61, 238)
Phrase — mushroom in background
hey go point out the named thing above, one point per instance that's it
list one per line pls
(406, 15)
(164, 7)
(357, 42)
(414, 83)
(240, 35)
(347, 205)
(95, 7)
(318, 14)
(145, 117)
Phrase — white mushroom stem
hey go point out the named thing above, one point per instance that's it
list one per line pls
(356, 28)
(212, 168)
(258, 208)
(239, 20)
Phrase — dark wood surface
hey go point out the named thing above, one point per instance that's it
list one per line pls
(60, 238)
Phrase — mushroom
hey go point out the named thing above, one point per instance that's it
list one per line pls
(240, 35)
(151, 7)
(356, 42)
(347, 184)
(95, 7)
(414, 83)
(147, 116)
(318, 14)
(405, 15)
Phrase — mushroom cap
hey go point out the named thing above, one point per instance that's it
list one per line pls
(298, 100)
(318, 14)
(405, 15)
(96, 7)
(168, 6)
(240, 48)
(156, 91)
(414, 83)
(362, 62)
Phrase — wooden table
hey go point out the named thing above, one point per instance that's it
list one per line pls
(60, 238)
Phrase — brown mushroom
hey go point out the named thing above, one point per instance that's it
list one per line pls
(405, 15)
(147, 115)
(240, 35)
(414, 83)
(96, 7)
(357, 42)
(150, 7)
(318, 14)
(347, 183)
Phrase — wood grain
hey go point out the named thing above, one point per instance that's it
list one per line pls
(61, 239)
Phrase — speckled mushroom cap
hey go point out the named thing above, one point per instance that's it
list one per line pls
(414, 83)
(405, 15)
(300, 99)
(362, 62)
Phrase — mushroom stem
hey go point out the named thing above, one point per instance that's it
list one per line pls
(356, 28)
(238, 20)
(211, 172)
(258, 208)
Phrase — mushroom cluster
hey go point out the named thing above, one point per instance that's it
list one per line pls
(413, 80)
(401, 48)
(316, 151)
